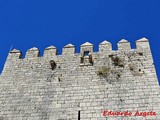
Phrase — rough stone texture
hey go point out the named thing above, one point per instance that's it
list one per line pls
(119, 80)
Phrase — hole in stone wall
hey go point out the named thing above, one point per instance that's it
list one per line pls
(53, 64)
(86, 58)
(115, 60)
(141, 54)
(79, 115)
(118, 75)
(90, 59)
(82, 60)
(59, 80)
(86, 53)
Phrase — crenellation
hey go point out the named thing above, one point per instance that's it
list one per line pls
(32, 53)
(50, 52)
(68, 50)
(142, 44)
(86, 47)
(14, 54)
(123, 45)
(59, 87)
(105, 47)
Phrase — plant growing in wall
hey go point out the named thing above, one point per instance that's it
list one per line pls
(112, 69)
(117, 61)
(103, 71)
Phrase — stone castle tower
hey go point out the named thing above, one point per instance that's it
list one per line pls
(81, 86)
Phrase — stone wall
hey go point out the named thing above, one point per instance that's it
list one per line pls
(57, 87)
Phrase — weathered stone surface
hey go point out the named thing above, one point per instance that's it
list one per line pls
(122, 80)
(50, 52)
(68, 50)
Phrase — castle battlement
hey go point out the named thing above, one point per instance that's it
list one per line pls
(105, 47)
(81, 85)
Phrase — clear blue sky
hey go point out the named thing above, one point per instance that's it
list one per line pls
(41, 23)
